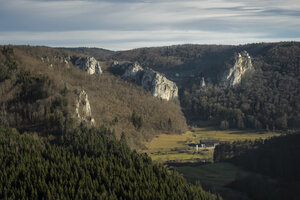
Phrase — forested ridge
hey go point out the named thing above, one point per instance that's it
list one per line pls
(86, 164)
(98, 53)
(269, 99)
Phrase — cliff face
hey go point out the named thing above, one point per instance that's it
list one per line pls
(159, 85)
(88, 64)
(83, 109)
(242, 66)
(151, 80)
(132, 71)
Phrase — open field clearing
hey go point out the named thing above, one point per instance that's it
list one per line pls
(167, 147)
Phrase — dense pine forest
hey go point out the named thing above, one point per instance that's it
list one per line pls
(86, 164)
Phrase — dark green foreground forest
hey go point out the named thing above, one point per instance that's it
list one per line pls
(87, 164)
(274, 162)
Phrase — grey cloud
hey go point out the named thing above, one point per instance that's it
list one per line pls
(270, 18)
(281, 12)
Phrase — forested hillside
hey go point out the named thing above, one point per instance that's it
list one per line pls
(98, 53)
(276, 158)
(85, 164)
(39, 90)
(269, 99)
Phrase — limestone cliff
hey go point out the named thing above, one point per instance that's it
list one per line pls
(242, 66)
(88, 64)
(132, 71)
(159, 85)
(151, 80)
(83, 109)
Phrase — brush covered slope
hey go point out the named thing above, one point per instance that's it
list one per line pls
(41, 90)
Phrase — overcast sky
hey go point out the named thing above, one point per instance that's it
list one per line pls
(127, 24)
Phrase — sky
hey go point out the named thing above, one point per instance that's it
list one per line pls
(128, 24)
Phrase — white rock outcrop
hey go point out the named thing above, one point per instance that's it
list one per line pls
(83, 109)
(202, 83)
(159, 85)
(56, 60)
(242, 66)
(132, 71)
(89, 64)
(151, 80)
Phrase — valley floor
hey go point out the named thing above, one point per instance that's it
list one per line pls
(179, 152)
(181, 148)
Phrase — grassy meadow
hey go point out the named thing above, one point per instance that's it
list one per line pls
(172, 147)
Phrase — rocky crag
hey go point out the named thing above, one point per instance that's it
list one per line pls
(88, 64)
(55, 60)
(242, 66)
(156, 83)
(83, 109)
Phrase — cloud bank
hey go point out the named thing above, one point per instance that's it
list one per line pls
(127, 24)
